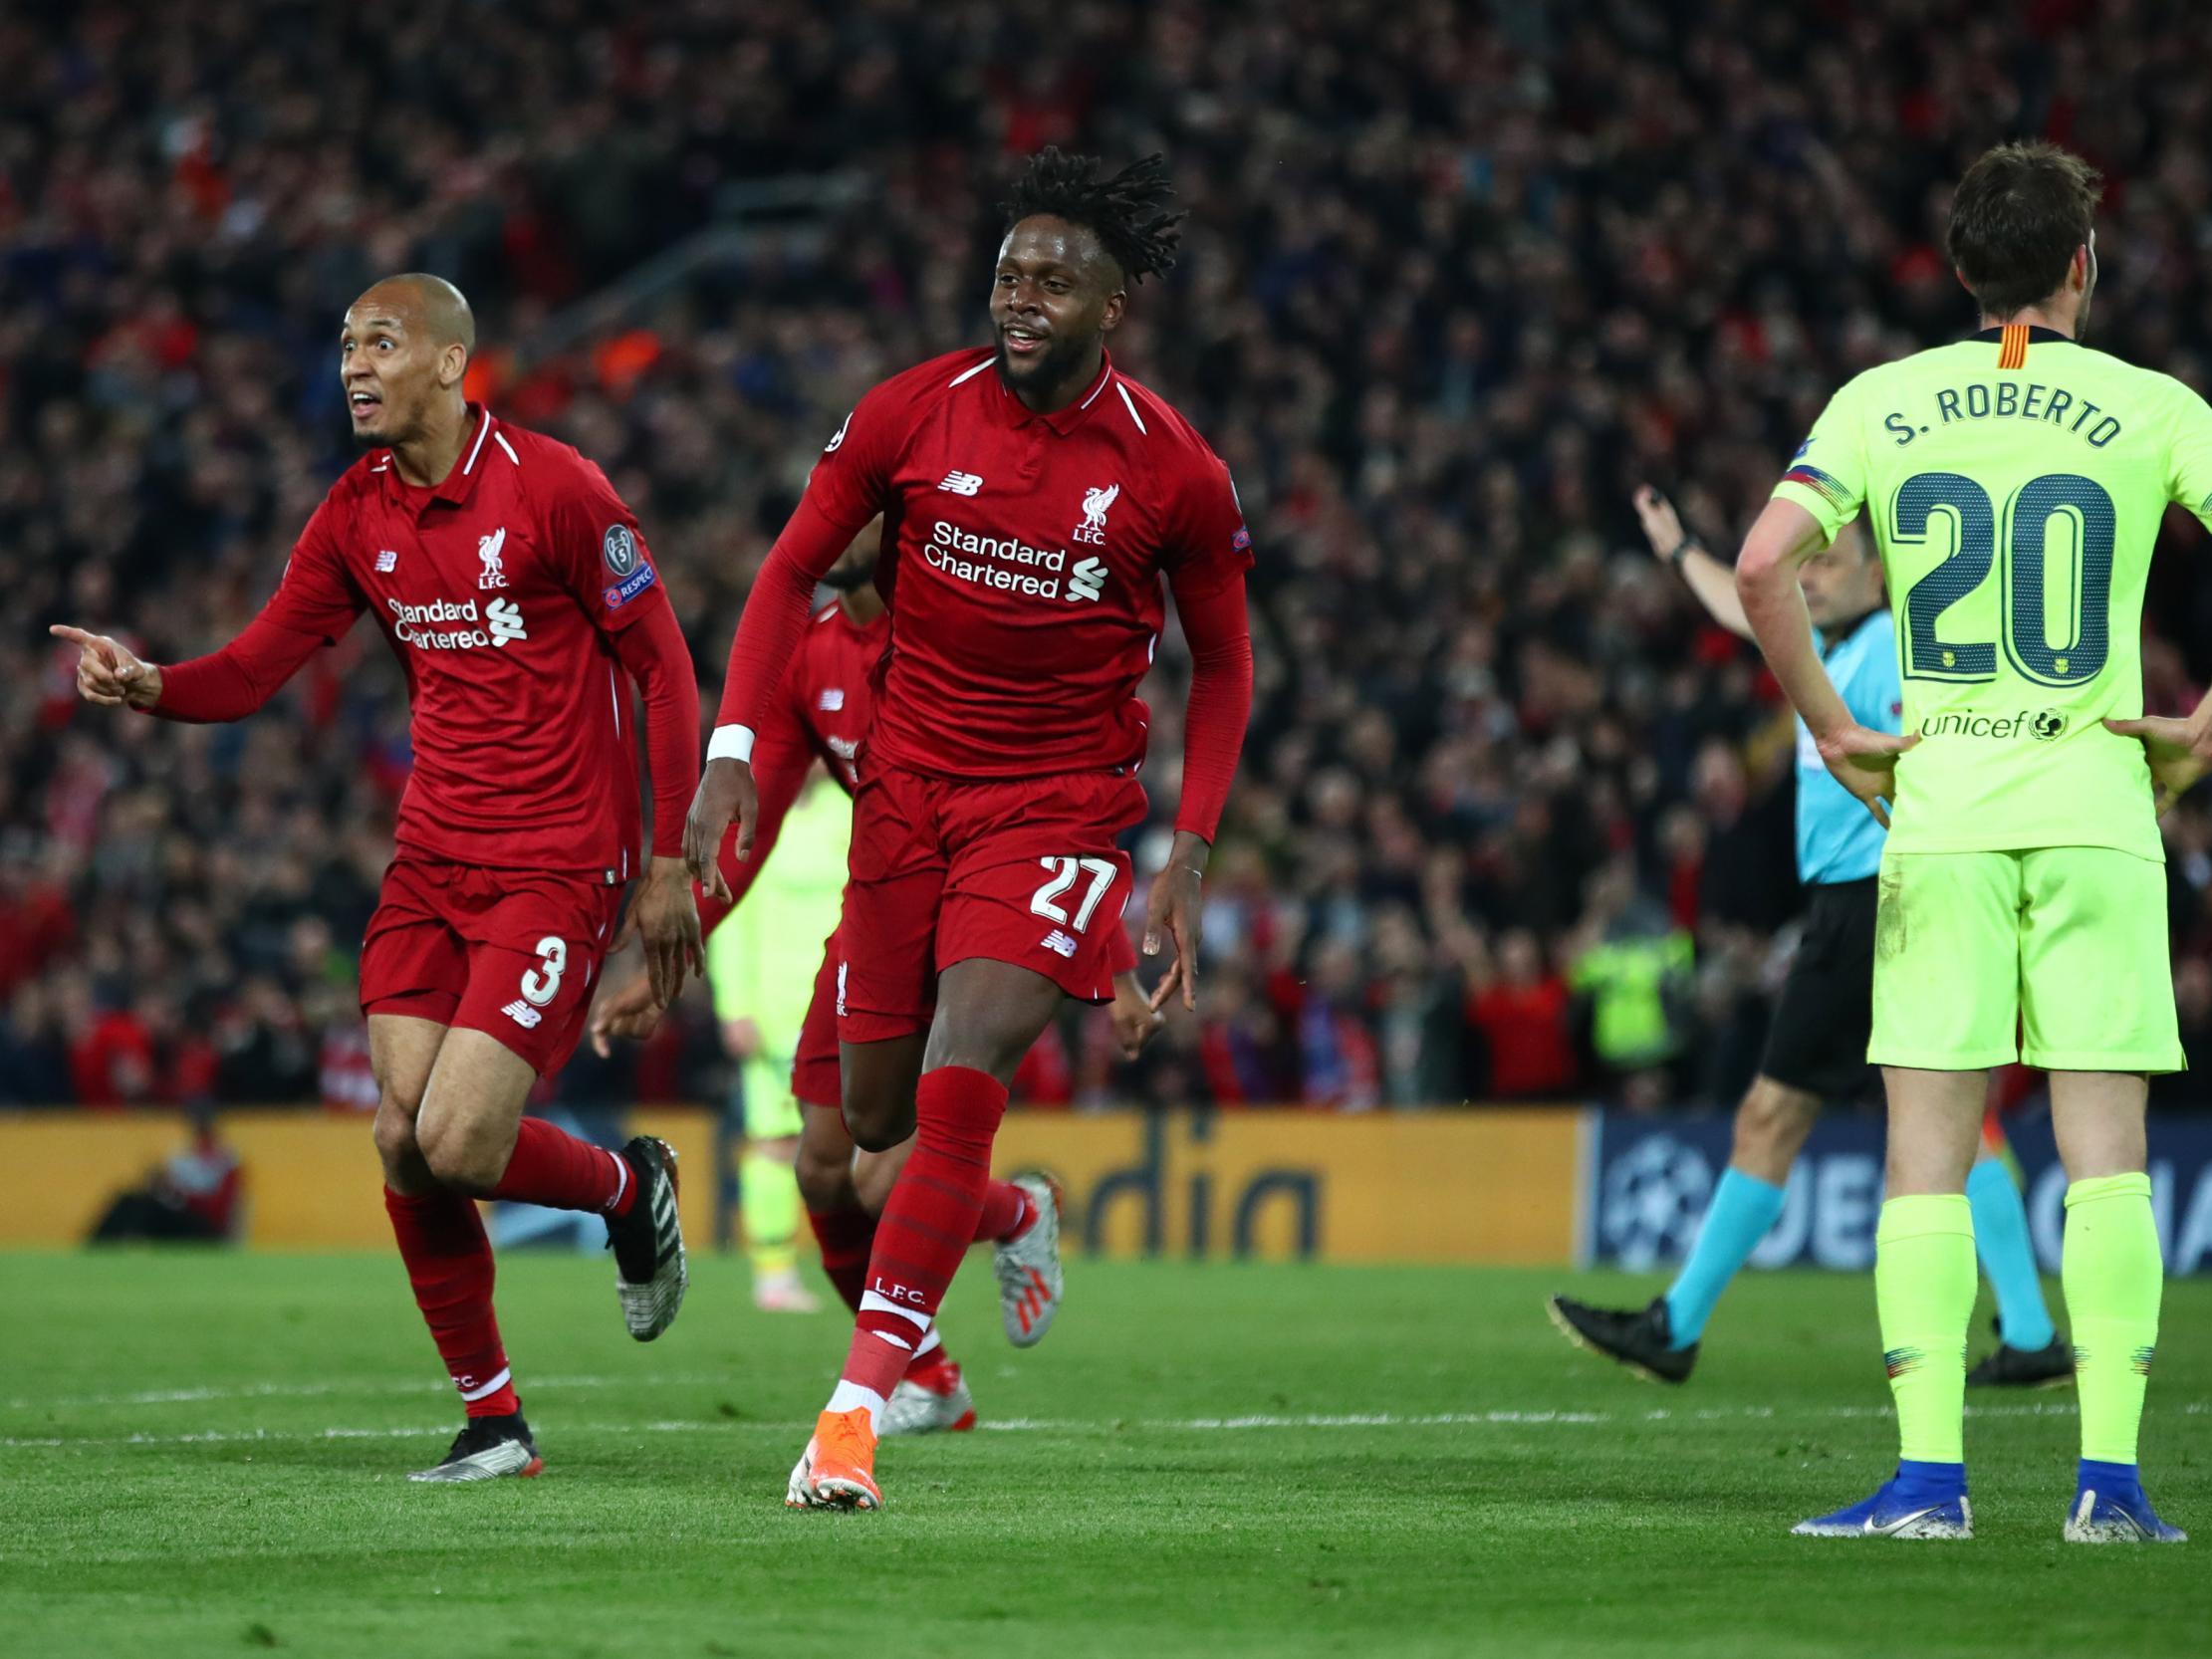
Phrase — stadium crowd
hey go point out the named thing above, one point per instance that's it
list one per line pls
(1514, 819)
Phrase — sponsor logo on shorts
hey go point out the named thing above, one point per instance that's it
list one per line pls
(523, 1014)
(1060, 943)
(2044, 725)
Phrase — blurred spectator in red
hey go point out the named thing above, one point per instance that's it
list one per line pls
(1522, 1012)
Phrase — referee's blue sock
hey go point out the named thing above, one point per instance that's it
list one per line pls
(1742, 1210)
(2001, 1235)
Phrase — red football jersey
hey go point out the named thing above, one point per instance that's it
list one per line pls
(1023, 558)
(500, 590)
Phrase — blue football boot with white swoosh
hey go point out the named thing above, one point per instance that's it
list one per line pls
(1920, 1501)
(2109, 1508)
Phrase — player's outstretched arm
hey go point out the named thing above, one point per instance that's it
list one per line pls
(1713, 582)
(228, 684)
(1220, 635)
(1864, 761)
(312, 605)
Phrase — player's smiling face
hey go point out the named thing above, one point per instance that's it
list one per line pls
(1054, 296)
(391, 367)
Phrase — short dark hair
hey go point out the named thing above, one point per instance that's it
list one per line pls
(1127, 213)
(2018, 214)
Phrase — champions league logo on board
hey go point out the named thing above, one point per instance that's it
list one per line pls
(1655, 1196)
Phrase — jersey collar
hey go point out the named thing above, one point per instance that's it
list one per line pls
(1061, 420)
(2036, 335)
(458, 486)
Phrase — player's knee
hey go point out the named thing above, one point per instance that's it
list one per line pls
(824, 1175)
(461, 1158)
(395, 1134)
(879, 1128)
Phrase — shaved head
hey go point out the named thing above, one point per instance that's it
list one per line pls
(403, 359)
(430, 306)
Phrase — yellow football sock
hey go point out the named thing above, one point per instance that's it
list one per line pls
(1925, 1283)
(2114, 1281)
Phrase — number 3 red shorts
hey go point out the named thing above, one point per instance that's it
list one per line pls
(1022, 870)
(511, 953)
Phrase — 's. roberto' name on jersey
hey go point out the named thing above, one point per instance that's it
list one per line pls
(1023, 556)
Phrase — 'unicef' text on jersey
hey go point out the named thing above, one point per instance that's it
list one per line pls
(2015, 483)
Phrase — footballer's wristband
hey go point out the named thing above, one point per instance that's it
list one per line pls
(731, 743)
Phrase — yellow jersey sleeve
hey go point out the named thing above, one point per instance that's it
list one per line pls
(1827, 474)
(2189, 454)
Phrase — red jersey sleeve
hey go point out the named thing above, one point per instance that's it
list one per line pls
(849, 486)
(1220, 708)
(595, 542)
(316, 601)
(1207, 543)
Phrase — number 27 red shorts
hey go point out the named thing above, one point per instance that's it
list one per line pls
(1020, 871)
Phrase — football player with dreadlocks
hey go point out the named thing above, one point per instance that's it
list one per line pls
(1033, 497)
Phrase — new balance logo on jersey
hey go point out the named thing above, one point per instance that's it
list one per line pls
(523, 1014)
(489, 550)
(1060, 944)
(1087, 580)
(831, 699)
(504, 618)
(387, 562)
(963, 483)
(1096, 502)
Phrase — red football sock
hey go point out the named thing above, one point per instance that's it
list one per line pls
(845, 1237)
(552, 1167)
(927, 1227)
(1007, 1212)
(450, 1264)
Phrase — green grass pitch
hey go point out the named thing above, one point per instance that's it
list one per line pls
(203, 1454)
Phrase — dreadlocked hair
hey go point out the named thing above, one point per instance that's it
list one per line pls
(1128, 212)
